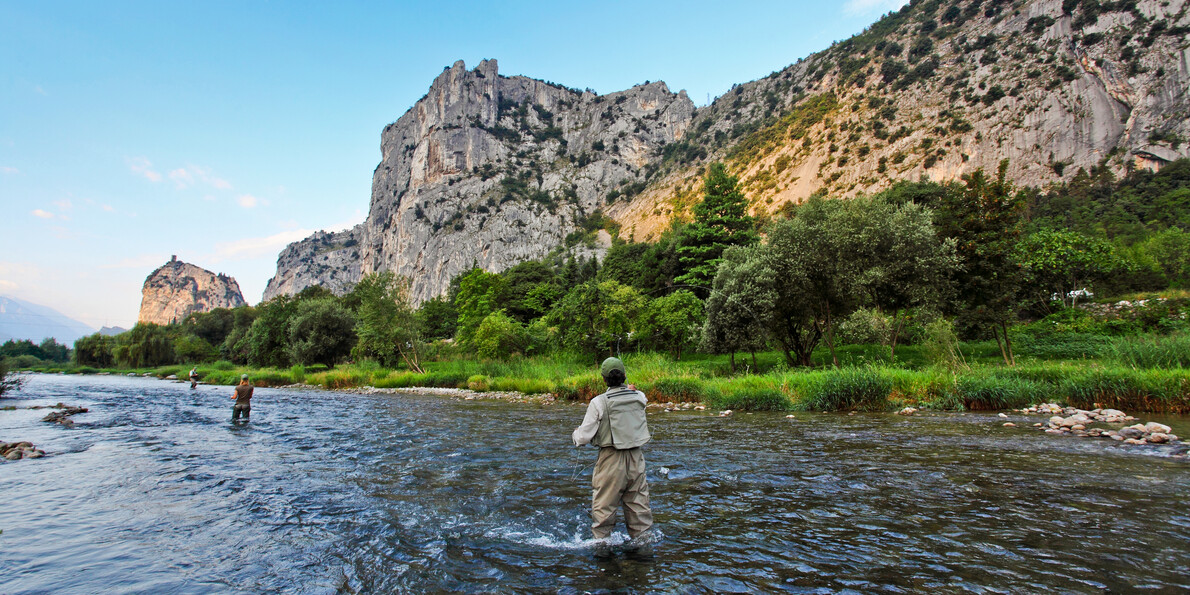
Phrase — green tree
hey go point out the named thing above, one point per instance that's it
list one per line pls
(739, 306)
(213, 326)
(1170, 250)
(521, 294)
(1057, 263)
(146, 345)
(597, 319)
(192, 348)
(903, 263)
(235, 346)
(267, 340)
(320, 332)
(478, 291)
(438, 318)
(388, 327)
(674, 321)
(984, 219)
(54, 351)
(499, 336)
(95, 350)
(721, 219)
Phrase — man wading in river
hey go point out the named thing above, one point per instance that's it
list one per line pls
(243, 397)
(615, 422)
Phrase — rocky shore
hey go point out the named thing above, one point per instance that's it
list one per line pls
(1079, 422)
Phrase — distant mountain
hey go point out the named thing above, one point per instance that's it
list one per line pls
(111, 331)
(23, 320)
(177, 289)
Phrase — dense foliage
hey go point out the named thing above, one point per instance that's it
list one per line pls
(919, 264)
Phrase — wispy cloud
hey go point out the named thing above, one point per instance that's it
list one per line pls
(109, 208)
(247, 201)
(63, 205)
(257, 247)
(37, 89)
(185, 177)
(868, 7)
(4, 169)
(42, 214)
(143, 167)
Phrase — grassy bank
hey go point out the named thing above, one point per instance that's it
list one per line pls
(865, 382)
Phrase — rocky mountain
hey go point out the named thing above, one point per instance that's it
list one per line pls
(493, 170)
(177, 289)
(22, 320)
(490, 170)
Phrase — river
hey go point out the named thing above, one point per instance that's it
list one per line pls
(154, 490)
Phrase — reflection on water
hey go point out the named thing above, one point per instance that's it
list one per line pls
(155, 490)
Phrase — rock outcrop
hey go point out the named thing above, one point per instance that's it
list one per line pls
(489, 170)
(177, 289)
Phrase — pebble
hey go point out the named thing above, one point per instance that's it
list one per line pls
(907, 411)
(725, 413)
(1009, 425)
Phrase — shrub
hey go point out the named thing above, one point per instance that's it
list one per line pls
(298, 373)
(479, 383)
(676, 388)
(580, 388)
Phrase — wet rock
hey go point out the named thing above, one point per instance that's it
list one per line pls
(13, 455)
(1037, 425)
(1130, 433)
(788, 417)
(907, 411)
(1003, 415)
(1134, 441)
(1156, 428)
(1009, 425)
(1053, 431)
(1158, 438)
(1078, 427)
(172, 377)
(725, 413)
(1056, 420)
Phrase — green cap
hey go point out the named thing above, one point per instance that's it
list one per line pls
(243, 376)
(612, 363)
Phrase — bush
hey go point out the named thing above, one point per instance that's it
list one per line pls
(223, 365)
(676, 388)
(864, 326)
(580, 388)
(479, 383)
(298, 373)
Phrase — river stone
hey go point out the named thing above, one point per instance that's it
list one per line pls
(1009, 425)
(1134, 441)
(1056, 420)
(1158, 438)
(1157, 428)
(37, 454)
(1131, 432)
(1078, 427)
(13, 455)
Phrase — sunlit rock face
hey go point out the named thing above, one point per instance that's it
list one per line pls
(177, 289)
(489, 170)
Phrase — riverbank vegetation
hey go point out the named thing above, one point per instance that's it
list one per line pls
(966, 295)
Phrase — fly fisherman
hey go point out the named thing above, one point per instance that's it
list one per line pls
(615, 422)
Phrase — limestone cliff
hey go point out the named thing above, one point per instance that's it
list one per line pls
(493, 170)
(177, 289)
(490, 170)
(940, 89)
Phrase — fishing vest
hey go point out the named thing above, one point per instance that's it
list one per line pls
(623, 423)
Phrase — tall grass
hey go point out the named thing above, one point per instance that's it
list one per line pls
(1154, 351)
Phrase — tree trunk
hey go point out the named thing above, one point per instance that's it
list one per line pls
(1008, 343)
(1003, 354)
(733, 363)
(896, 332)
(755, 368)
(830, 336)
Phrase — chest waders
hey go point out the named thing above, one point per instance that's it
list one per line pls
(619, 476)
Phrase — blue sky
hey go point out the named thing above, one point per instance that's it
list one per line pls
(221, 131)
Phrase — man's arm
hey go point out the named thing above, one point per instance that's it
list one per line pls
(585, 432)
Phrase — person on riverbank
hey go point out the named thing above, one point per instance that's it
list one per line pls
(243, 399)
(615, 422)
(194, 377)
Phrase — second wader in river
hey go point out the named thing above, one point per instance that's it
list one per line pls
(615, 422)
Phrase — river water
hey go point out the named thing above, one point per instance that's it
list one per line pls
(155, 491)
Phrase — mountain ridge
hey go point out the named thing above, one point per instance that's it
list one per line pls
(492, 170)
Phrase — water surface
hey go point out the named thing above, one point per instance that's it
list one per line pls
(154, 490)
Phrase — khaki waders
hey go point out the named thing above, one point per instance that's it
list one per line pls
(619, 478)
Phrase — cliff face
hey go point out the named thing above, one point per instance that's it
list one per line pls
(177, 289)
(938, 90)
(491, 170)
